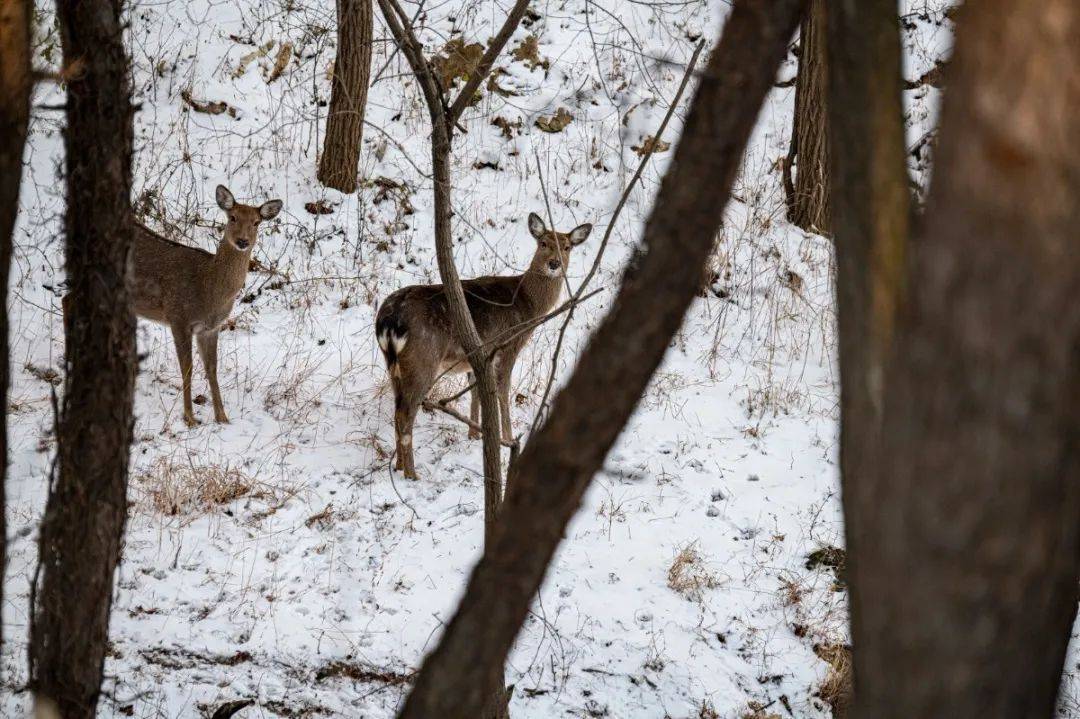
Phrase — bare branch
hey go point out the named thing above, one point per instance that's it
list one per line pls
(650, 148)
(487, 61)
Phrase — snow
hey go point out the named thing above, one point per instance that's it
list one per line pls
(263, 556)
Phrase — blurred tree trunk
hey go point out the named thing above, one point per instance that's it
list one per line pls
(348, 98)
(83, 525)
(808, 195)
(964, 531)
(557, 464)
(15, 85)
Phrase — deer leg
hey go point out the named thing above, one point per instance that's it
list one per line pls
(404, 416)
(182, 339)
(208, 351)
(474, 406)
(502, 380)
(410, 392)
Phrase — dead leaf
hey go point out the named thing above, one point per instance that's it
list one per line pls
(494, 86)
(251, 57)
(319, 207)
(528, 52)
(457, 60)
(555, 123)
(507, 126)
(284, 54)
(651, 144)
(792, 280)
(208, 107)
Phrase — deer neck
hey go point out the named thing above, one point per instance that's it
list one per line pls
(231, 267)
(541, 289)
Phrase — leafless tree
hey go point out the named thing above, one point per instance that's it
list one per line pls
(15, 85)
(348, 98)
(959, 366)
(83, 525)
(807, 195)
(549, 479)
(444, 116)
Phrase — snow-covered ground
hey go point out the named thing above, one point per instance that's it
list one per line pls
(278, 558)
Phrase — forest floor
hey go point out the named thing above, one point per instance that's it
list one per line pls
(278, 558)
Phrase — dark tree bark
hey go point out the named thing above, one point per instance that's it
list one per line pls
(555, 468)
(83, 525)
(444, 117)
(15, 84)
(348, 98)
(964, 532)
(871, 211)
(808, 195)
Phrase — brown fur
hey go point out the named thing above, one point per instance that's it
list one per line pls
(193, 291)
(414, 330)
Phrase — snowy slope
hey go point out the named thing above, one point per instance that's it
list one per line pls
(278, 558)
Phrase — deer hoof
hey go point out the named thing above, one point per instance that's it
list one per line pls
(190, 421)
(221, 419)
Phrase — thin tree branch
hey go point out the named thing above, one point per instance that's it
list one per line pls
(487, 61)
(611, 227)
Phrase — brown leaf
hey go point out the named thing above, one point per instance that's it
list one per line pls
(457, 60)
(507, 126)
(651, 144)
(555, 123)
(319, 207)
(284, 54)
(208, 107)
(528, 52)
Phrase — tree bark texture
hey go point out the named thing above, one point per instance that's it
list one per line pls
(82, 529)
(871, 211)
(15, 86)
(340, 159)
(555, 468)
(968, 545)
(808, 195)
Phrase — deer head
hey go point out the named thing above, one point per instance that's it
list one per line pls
(553, 248)
(243, 221)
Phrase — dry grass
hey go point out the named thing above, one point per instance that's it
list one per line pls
(688, 574)
(756, 710)
(836, 688)
(176, 489)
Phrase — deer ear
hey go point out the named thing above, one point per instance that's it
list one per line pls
(269, 210)
(224, 198)
(580, 233)
(536, 226)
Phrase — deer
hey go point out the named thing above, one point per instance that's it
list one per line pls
(192, 291)
(414, 331)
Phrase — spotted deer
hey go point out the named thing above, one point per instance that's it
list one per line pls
(417, 340)
(193, 292)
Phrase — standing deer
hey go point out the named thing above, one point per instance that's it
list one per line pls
(193, 291)
(415, 334)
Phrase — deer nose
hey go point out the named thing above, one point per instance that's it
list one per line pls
(553, 264)
(242, 244)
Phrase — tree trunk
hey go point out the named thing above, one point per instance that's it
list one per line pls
(556, 466)
(871, 212)
(348, 98)
(83, 525)
(15, 84)
(967, 550)
(808, 196)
